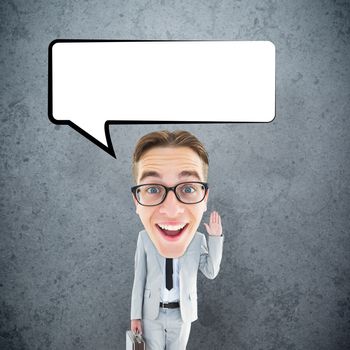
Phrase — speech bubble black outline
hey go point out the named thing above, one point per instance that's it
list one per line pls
(109, 148)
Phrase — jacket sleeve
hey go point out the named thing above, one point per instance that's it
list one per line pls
(211, 255)
(139, 280)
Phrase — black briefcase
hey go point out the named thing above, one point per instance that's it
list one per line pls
(134, 341)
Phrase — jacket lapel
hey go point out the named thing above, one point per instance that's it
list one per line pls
(155, 253)
(183, 260)
(160, 261)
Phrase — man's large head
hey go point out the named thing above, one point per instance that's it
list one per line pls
(165, 159)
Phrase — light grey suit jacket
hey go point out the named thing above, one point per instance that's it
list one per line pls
(149, 267)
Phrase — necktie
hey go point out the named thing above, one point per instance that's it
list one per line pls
(169, 273)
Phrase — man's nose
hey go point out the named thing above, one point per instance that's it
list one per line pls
(171, 206)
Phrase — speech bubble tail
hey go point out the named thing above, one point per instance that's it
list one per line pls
(99, 136)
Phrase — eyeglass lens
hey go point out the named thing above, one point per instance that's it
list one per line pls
(154, 194)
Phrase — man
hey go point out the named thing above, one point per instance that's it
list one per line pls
(171, 170)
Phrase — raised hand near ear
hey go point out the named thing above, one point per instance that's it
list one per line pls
(214, 228)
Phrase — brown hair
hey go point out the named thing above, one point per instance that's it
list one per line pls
(165, 138)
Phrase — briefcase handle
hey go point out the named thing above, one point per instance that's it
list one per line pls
(138, 337)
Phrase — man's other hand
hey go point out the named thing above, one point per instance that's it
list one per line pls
(136, 326)
(214, 228)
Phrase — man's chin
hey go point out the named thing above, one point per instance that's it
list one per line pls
(171, 252)
(171, 249)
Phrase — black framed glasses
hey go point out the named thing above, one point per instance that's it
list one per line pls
(149, 195)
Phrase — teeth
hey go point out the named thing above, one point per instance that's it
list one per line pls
(172, 227)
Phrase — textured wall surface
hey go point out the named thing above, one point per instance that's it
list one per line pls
(68, 226)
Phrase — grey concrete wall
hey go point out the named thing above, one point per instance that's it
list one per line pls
(68, 227)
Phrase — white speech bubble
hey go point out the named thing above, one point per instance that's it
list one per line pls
(93, 84)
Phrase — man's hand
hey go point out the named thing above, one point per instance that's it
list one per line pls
(136, 326)
(214, 228)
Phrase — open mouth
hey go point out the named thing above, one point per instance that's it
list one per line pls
(171, 232)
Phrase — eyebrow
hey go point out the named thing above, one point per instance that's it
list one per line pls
(149, 173)
(185, 173)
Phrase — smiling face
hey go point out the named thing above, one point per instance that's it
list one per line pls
(171, 225)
